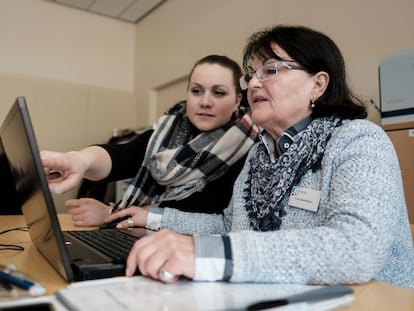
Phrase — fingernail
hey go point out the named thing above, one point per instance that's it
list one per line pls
(54, 189)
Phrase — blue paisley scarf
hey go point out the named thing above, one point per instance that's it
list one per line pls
(268, 182)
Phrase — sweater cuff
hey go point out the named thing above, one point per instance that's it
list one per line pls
(213, 258)
(154, 218)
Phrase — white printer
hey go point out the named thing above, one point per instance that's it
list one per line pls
(396, 85)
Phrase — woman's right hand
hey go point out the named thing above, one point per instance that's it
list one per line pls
(64, 170)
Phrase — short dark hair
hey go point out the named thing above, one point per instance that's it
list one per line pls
(316, 52)
(223, 61)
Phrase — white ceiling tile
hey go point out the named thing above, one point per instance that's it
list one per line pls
(110, 7)
(139, 9)
(126, 10)
(80, 4)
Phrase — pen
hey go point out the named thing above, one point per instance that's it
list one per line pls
(324, 293)
(15, 281)
(6, 285)
(10, 291)
(33, 288)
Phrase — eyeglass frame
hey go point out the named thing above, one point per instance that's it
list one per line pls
(245, 79)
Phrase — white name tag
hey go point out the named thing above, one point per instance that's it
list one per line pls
(305, 198)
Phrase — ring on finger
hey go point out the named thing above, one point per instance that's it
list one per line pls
(130, 222)
(166, 276)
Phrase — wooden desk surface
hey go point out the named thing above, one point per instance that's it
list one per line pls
(372, 296)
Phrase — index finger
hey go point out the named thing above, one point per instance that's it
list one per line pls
(120, 214)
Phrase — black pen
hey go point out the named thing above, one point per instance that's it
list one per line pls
(311, 296)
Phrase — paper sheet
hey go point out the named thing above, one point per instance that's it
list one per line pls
(140, 293)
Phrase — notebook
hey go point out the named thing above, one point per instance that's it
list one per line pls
(71, 256)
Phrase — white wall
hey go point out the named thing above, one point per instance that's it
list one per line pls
(182, 31)
(80, 66)
(46, 40)
(85, 74)
(75, 69)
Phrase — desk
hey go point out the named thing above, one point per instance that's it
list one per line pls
(376, 296)
(30, 260)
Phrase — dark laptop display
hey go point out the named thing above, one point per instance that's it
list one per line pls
(71, 256)
(9, 203)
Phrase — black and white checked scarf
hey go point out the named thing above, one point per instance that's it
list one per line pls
(268, 182)
(181, 160)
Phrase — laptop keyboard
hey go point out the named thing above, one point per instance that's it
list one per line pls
(111, 242)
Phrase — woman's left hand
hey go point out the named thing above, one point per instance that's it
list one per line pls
(87, 211)
(164, 255)
(137, 217)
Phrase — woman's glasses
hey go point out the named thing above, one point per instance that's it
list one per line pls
(265, 72)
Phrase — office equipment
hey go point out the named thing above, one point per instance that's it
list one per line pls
(308, 297)
(373, 295)
(6, 290)
(9, 201)
(74, 259)
(11, 275)
(140, 293)
(396, 81)
(32, 288)
(45, 303)
(36, 306)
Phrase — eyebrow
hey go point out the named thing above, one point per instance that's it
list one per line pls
(213, 86)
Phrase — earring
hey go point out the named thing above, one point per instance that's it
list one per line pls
(312, 104)
(236, 114)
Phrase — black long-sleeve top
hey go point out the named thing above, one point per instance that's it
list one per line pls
(213, 198)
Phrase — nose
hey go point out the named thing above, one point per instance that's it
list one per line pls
(205, 100)
(254, 82)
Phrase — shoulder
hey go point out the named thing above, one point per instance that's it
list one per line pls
(361, 140)
(361, 126)
(363, 131)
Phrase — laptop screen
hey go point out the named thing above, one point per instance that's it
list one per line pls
(21, 150)
(9, 202)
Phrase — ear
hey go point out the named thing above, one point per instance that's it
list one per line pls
(238, 100)
(321, 81)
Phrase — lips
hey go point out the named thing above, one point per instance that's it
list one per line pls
(205, 115)
(258, 99)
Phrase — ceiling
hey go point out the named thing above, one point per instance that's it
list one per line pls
(126, 10)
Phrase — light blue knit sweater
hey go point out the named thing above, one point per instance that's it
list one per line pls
(360, 231)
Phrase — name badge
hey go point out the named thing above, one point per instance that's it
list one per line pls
(307, 199)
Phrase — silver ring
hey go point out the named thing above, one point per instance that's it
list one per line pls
(130, 222)
(166, 276)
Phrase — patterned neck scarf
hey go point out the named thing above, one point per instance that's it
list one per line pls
(268, 182)
(181, 160)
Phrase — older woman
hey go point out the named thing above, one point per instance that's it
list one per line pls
(320, 198)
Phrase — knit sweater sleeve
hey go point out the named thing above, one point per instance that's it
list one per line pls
(196, 223)
(351, 238)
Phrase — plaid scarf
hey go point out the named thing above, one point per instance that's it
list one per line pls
(269, 182)
(181, 160)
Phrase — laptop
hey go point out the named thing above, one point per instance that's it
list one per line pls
(9, 202)
(67, 251)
